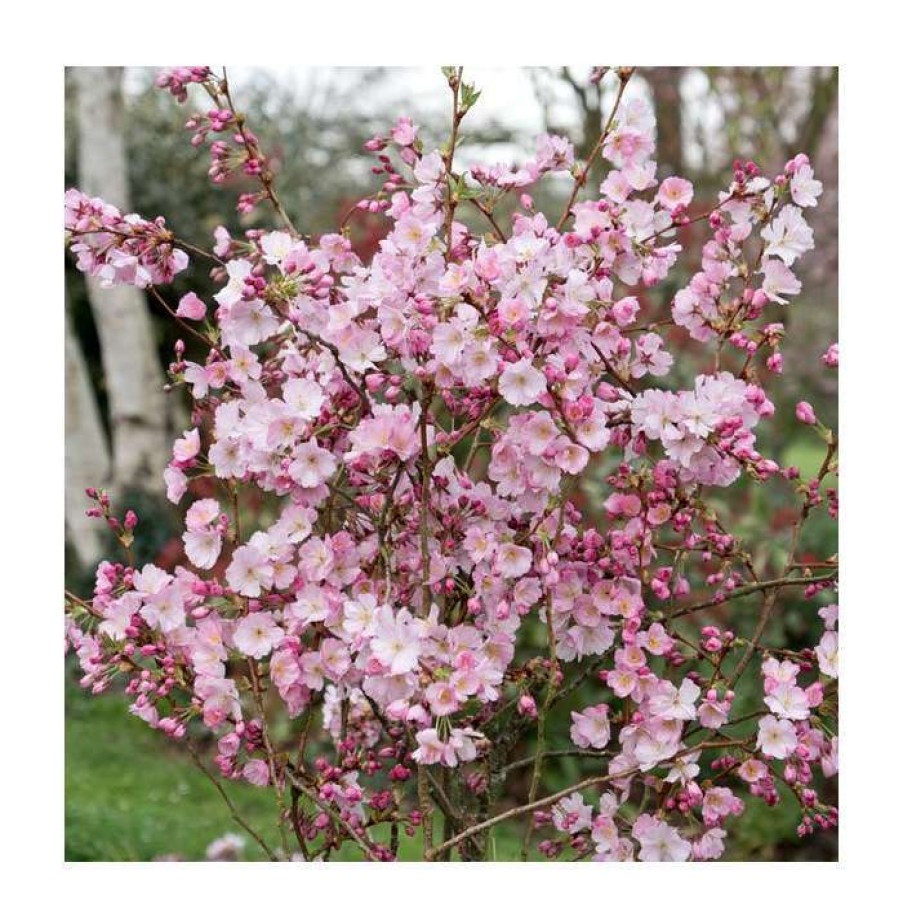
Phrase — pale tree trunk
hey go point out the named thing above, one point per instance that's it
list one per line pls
(132, 371)
(87, 455)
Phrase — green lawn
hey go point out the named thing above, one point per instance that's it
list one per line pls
(130, 795)
(134, 795)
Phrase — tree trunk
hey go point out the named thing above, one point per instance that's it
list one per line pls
(664, 82)
(132, 371)
(87, 456)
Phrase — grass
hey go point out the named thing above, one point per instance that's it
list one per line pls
(130, 795)
(133, 795)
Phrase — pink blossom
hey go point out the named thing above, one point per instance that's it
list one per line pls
(512, 560)
(256, 772)
(249, 571)
(675, 192)
(187, 448)
(673, 702)
(521, 384)
(404, 131)
(304, 397)
(827, 653)
(312, 465)
(659, 841)
(710, 845)
(788, 701)
(752, 770)
(164, 608)
(591, 727)
(779, 281)
(777, 738)
(805, 413)
(256, 634)
(203, 549)
(572, 814)
(805, 189)
(442, 698)
(788, 236)
(396, 641)
(191, 307)
(430, 749)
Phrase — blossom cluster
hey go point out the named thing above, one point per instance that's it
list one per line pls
(120, 249)
(418, 426)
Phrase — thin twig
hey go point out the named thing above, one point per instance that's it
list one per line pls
(179, 319)
(496, 228)
(750, 588)
(561, 794)
(236, 815)
(772, 595)
(265, 175)
(543, 713)
(580, 181)
(340, 363)
(360, 839)
(556, 754)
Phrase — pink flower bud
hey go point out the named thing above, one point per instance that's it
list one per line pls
(805, 413)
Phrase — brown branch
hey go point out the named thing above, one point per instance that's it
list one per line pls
(496, 228)
(454, 82)
(152, 289)
(750, 588)
(561, 794)
(360, 839)
(556, 754)
(771, 597)
(365, 401)
(543, 712)
(236, 815)
(250, 145)
(580, 181)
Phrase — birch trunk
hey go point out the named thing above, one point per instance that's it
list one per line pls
(133, 374)
(87, 455)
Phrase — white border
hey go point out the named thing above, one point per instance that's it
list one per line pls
(422, 33)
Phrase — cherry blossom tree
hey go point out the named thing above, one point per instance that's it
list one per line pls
(416, 579)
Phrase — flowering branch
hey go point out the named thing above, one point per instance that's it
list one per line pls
(385, 504)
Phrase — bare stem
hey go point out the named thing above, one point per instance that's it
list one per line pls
(236, 815)
(580, 181)
(543, 715)
(561, 794)
(359, 838)
(265, 176)
(772, 594)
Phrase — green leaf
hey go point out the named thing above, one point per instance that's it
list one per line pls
(464, 191)
(469, 96)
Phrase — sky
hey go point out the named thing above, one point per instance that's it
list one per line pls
(508, 98)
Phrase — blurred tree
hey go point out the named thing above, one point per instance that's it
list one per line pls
(133, 376)
(664, 83)
(87, 455)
